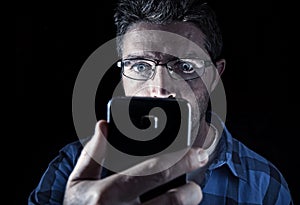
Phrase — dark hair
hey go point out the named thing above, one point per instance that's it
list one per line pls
(197, 12)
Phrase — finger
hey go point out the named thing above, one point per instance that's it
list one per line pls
(139, 184)
(88, 165)
(189, 193)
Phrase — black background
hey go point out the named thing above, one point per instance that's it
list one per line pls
(52, 43)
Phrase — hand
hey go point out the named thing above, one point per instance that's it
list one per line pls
(84, 185)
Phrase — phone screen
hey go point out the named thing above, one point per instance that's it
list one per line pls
(145, 126)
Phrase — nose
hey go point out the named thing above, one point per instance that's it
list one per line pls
(161, 84)
(159, 92)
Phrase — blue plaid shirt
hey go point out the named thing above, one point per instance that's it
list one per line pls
(238, 175)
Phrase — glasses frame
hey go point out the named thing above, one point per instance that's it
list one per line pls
(156, 62)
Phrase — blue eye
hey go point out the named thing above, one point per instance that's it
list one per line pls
(141, 67)
(185, 67)
(178, 68)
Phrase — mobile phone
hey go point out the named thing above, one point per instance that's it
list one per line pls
(145, 126)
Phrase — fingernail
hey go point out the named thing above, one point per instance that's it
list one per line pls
(202, 156)
(103, 127)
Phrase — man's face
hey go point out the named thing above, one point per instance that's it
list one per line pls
(165, 43)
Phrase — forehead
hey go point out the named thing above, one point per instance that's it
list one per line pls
(180, 39)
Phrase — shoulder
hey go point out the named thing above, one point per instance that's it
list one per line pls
(257, 175)
(253, 161)
(260, 173)
(73, 149)
(53, 181)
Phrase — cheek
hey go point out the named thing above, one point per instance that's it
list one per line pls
(133, 88)
(128, 87)
(196, 93)
(198, 98)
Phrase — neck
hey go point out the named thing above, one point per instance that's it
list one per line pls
(207, 137)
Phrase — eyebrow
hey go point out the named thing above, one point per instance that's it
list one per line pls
(142, 55)
(134, 56)
(149, 56)
(190, 55)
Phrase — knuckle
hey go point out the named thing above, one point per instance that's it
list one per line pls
(162, 176)
(196, 188)
(190, 161)
(175, 198)
(103, 198)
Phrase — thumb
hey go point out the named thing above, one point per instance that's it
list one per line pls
(88, 165)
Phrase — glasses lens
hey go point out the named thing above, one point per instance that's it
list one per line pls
(138, 69)
(186, 69)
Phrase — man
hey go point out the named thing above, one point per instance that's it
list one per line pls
(168, 49)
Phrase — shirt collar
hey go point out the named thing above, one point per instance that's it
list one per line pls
(227, 151)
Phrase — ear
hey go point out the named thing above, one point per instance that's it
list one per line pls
(220, 67)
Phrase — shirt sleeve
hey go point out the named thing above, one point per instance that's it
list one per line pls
(51, 187)
(277, 191)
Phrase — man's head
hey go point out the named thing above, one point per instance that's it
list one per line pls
(170, 48)
(197, 12)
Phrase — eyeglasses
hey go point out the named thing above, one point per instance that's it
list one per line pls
(179, 69)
